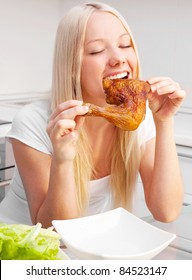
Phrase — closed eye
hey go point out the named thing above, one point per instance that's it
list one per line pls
(125, 47)
(96, 52)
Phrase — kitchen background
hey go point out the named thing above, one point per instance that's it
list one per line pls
(162, 30)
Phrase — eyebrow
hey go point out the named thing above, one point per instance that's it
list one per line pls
(94, 40)
(125, 34)
(101, 40)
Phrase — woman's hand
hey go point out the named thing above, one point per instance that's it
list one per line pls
(165, 97)
(63, 127)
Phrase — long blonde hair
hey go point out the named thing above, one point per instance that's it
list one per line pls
(66, 85)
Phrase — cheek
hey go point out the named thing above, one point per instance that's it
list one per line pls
(87, 80)
(90, 74)
(90, 65)
(84, 74)
(133, 63)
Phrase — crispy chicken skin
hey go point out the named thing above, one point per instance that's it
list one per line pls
(127, 99)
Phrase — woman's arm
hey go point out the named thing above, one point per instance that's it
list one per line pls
(160, 171)
(161, 176)
(49, 180)
(49, 187)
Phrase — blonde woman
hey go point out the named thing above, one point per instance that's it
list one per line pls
(69, 165)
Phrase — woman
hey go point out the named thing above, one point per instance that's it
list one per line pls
(77, 165)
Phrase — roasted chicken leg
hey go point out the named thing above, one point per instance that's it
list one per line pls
(127, 99)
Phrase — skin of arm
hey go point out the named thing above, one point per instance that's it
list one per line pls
(160, 170)
(47, 190)
(49, 179)
(161, 176)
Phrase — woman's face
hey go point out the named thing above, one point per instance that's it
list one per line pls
(107, 53)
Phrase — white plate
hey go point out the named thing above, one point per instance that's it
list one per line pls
(62, 256)
(116, 234)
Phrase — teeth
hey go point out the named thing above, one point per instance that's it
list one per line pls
(118, 76)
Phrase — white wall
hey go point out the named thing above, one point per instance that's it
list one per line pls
(27, 31)
(162, 30)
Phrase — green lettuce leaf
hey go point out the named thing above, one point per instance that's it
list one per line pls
(23, 242)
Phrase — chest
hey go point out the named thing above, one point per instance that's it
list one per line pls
(101, 156)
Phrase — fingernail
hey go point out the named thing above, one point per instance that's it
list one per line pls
(80, 102)
(153, 88)
(85, 108)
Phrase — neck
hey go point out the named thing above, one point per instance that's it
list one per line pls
(98, 126)
(101, 135)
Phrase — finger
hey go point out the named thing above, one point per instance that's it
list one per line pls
(61, 124)
(68, 114)
(177, 94)
(64, 106)
(71, 113)
(79, 121)
(62, 128)
(155, 80)
(165, 86)
(157, 83)
(167, 89)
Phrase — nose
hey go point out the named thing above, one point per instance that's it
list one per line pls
(116, 58)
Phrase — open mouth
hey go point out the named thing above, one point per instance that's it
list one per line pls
(123, 75)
